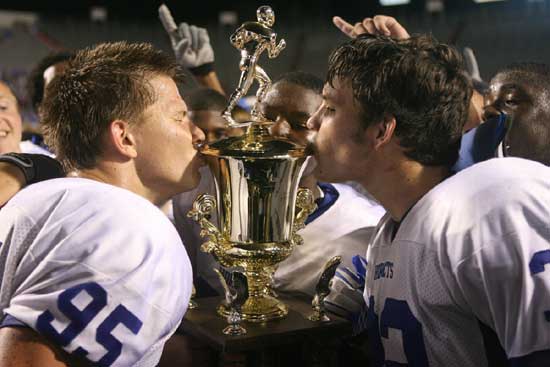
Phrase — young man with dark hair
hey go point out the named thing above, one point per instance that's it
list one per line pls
(91, 269)
(456, 267)
(344, 219)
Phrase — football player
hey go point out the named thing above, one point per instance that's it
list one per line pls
(90, 269)
(456, 272)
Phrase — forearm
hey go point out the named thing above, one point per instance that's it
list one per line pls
(210, 80)
(23, 347)
(11, 181)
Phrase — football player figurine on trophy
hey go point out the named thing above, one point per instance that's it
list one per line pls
(322, 290)
(253, 38)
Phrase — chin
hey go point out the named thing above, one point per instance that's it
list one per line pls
(328, 176)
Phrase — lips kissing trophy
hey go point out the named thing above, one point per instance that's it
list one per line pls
(258, 203)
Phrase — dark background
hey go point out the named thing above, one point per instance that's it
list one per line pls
(205, 11)
(499, 33)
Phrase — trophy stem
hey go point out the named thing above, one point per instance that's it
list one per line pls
(260, 305)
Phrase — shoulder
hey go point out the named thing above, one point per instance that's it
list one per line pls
(483, 204)
(73, 193)
(487, 188)
(72, 210)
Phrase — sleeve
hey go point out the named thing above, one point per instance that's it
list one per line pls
(104, 292)
(507, 286)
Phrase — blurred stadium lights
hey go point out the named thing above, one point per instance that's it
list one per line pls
(435, 6)
(98, 14)
(394, 2)
(486, 1)
(9, 18)
(227, 17)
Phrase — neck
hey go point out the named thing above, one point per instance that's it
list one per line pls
(399, 187)
(123, 176)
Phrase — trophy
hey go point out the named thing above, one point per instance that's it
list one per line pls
(258, 204)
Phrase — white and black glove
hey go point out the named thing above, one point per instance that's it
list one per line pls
(191, 44)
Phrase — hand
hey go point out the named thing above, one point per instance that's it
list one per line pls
(191, 44)
(380, 24)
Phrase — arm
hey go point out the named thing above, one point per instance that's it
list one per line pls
(210, 80)
(23, 347)
(19, 169)
(380, 24)
(506, 284)
(274, 50)
(11, 181)
(192, 48)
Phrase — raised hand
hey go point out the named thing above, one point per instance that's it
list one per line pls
(191, 44)
(379, 24)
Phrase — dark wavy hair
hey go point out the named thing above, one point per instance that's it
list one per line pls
(419, 81)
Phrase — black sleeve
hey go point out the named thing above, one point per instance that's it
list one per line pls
(35, 167)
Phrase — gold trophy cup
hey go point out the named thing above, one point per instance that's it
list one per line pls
(258, 203)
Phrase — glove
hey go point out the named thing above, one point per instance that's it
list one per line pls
(35, 167)
(346, 297)
(191, 44)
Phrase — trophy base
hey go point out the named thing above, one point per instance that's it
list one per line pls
(258, 309)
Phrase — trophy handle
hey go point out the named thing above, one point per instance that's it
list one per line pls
(305, 205)
(203, 207)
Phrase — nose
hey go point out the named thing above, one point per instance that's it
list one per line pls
(314, 121)
(489, 109)
(197, 134)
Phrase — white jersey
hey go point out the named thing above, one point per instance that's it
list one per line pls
(343, 229)
(95, 268)
(28, 146)
(469, 255)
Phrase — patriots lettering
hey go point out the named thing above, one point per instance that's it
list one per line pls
(383, 270)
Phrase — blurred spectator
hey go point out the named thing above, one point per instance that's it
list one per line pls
(43, 73)
(205, 108)
(11, 126)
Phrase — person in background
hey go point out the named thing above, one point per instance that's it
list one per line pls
(11, 126)
(43, 73)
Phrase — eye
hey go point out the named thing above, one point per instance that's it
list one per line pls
(298, 126)
(220, 134)
(510, 102)
(329, 110)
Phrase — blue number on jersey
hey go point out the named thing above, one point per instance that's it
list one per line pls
(536, 265)
(81, 319)
(396, 315)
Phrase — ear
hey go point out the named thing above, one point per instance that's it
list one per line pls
(121, 138)
(384, 131)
